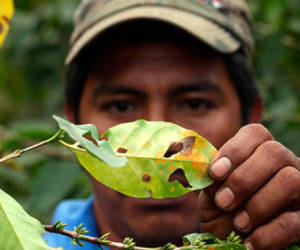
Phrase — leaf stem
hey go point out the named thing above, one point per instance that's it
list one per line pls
(58, 135)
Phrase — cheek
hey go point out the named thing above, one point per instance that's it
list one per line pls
(222, 129)
(217, 127)
(88, 112)
(223, 126)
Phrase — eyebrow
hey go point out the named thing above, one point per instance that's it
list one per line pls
(116, 89)
(201, 86)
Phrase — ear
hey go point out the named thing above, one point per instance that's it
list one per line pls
(69, 113)
(256, 112)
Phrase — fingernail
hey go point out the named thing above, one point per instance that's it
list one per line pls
(224, 198)
(249, 246)
(241, 221)
(221, 167)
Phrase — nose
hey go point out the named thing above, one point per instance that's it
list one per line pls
(156, 110)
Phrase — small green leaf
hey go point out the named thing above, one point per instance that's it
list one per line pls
(102, 150)
(19, 230)
(195, 239)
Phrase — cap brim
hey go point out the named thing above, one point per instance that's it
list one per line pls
(201, 27)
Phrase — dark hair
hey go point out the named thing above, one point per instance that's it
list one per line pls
(237, 63)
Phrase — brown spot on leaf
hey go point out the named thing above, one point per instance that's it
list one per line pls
(6, 19)
(91, 139)
(1, 28)
(146, 178)
(122, 150)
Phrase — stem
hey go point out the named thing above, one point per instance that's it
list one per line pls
(93, 240)
(19, 152)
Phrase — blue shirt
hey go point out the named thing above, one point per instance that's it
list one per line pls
(73, 213)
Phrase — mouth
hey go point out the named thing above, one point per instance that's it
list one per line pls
(160, 204)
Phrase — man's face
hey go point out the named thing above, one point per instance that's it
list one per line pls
(157, 81)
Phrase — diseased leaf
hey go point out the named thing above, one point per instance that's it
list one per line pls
(154, 150)
(18, 229)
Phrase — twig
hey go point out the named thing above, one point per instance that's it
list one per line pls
(93, 240)
(19, 152)
(191, 242)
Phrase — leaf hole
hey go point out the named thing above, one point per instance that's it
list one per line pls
(146, 178)
(178, 175)
(122, 150)
(173, 149)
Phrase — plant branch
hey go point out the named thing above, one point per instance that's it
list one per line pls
(19, 152)
(94, 240)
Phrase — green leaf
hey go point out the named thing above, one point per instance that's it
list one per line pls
(195, 239)
(227, 246)
(18, 229)
(102, 150)
(209, 241)
(293, 247)
(147, 171)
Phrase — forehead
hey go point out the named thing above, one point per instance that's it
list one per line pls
(154, 57)
(153, 53)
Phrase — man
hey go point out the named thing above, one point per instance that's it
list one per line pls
(187, 62)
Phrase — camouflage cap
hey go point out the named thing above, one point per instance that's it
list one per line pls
(225, 25)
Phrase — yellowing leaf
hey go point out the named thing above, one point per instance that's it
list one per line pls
(6, 12)
(148, 148)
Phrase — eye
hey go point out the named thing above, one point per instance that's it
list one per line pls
(120, 106)
(197, 103)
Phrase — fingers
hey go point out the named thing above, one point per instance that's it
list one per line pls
(258, 182)
(238, 149)
(207, 208)
(253, 173)
(279, 193)
(277, 234)
(220, 227)
(211, 217)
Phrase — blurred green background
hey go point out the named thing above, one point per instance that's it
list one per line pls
(31, 90)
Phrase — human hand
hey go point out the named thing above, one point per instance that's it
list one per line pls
(257, 192)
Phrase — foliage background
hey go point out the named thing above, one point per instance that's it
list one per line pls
(31, 90)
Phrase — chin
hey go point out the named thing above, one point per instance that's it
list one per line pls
(159, 231)
(157, 222)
